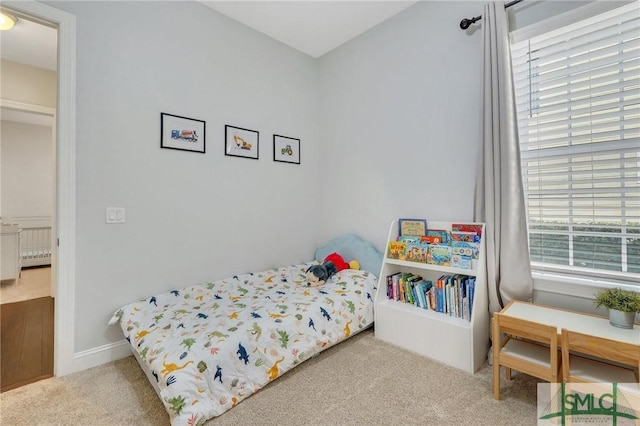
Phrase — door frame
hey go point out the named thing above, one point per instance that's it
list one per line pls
(65, 209)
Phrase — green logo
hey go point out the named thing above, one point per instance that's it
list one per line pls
(589, 403)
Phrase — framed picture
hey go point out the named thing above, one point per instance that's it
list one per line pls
(239, 142)
(186, 134)
(412, 227)
(286, 150)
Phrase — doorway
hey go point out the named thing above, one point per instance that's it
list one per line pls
(28, 154)
(63, 264)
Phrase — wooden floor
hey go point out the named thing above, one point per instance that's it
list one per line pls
(26, 342)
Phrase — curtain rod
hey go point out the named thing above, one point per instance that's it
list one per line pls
(465, 23)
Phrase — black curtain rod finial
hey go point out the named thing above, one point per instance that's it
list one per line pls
(466, 23)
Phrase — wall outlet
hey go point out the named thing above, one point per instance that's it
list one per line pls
(115, 215)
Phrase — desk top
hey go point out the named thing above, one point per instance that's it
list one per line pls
(572, 320)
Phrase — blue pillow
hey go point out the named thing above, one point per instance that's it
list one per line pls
(351, 247)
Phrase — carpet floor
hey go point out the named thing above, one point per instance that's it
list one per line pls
(362, 381)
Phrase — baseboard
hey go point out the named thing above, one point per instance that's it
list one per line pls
(100, 355)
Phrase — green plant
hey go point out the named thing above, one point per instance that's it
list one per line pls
(618, 299)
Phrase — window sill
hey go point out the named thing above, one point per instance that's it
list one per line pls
(573, 285)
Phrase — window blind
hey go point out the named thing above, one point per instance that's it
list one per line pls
(578, 106)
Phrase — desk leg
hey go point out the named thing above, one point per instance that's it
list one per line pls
(495, 348)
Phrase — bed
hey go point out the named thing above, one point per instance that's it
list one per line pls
(207, 347)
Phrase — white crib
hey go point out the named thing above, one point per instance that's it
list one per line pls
(10, 252)
(35, 240)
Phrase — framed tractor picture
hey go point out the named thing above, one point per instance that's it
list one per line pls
(286, 149)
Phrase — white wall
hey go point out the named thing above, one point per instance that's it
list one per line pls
(401, 124)
(26, 162)
(27, 84)
(389, 124)
(189, 217)
(400, 121)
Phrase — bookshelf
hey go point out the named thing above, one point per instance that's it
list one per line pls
(458, 342)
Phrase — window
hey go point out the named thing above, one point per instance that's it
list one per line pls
(578, 105)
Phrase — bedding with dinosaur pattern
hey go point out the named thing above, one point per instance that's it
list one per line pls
(209, 346)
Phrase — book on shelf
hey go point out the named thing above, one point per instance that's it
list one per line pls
(456, 248)
(431, 239)
(431, 298)
(442, 234)
(439, 255)
(450, 294)
(417, 251)
(462, 254)
(467, 227)
(406, 294)
(466, 240)
(397, 250)
(422, 288)
(412, 227)
(392, 286)
(440, 294)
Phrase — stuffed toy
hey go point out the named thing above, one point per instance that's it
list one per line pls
(317, 275)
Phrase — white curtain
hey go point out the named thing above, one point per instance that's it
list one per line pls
(499, 199)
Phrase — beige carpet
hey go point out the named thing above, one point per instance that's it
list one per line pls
(360, 382)
(32, 284)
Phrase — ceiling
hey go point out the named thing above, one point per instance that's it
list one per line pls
(312, 27)
(30, 43)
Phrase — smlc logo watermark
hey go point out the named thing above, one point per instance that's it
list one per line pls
(616, 404)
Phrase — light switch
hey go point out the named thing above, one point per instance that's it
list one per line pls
(115, 215)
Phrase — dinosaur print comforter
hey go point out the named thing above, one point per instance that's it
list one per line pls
(209, 346)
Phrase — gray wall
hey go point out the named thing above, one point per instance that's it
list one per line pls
(26, 162)
(389, 125)
(189, 217)
(400, 122)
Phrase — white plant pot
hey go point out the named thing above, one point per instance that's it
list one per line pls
(621, 319)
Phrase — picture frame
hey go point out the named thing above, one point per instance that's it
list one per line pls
(241, 142)
(286, 149)
(412, 227)
(182, 133)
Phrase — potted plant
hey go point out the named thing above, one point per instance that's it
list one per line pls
(622, 304)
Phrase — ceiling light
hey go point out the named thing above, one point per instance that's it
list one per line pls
(7, 21)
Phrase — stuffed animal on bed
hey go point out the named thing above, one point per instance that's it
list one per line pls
(317, 275)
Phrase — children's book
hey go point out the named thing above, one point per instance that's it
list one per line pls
(439, 255)
(467, 227)
(466, 239)
(439, 295)
(393, 290)
(422, 287)
(461, 261)
(396, 250)
(395, 282)
(462, 254)
(431, 298)
(417, 251)
(442, 234)
(411, 227)
(414, 282)
(431, 239)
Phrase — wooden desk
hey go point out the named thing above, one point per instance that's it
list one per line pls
(572, 320)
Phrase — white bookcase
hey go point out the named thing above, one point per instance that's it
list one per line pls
(454, 341)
